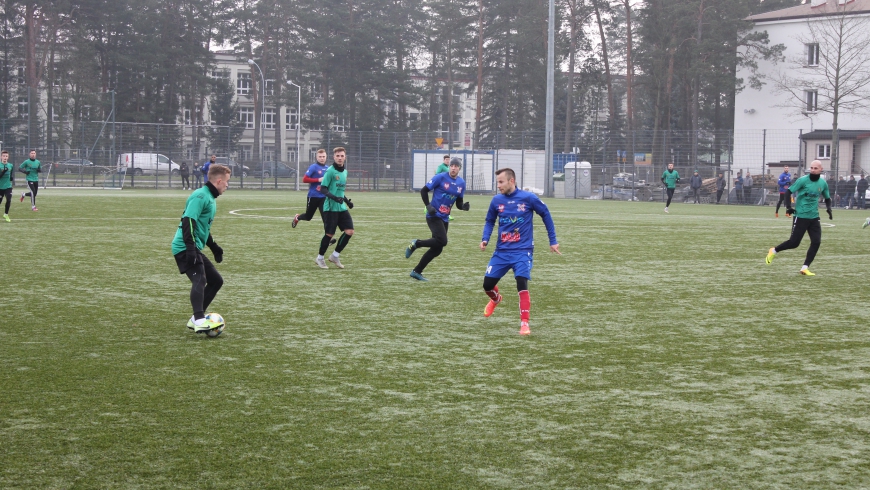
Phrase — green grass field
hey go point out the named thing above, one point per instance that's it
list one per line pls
(664, 352)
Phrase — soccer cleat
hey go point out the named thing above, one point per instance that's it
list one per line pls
(806, 272)
(490, 307)
(295, 221)
(771, 254)
(22, 198)
(666, 209)
(206, 326)
(190, 324)
(416, 275)
(6, 217)
(413, 246)
(776, 215)
(449, 217)
(34, 208)
(321, 263)
(336, 261)
(524, 328)
(332, 242)
(866, 223)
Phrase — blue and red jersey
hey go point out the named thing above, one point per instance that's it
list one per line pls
(784, 182)
(445, 191)
(315, 171)
(515, 215)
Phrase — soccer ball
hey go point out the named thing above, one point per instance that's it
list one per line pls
(216, 319)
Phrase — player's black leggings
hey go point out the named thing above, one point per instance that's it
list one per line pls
(7, 193)
(313, 204)
(435, 244)
(33, 186)
(781, 200)
(811, 226)
(205, 281)
(670, 196)
(489, 283)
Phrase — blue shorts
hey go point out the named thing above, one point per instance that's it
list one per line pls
(501, 262)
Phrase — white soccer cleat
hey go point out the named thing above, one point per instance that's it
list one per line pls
(321, 263)
(336, 261)
(666, 209)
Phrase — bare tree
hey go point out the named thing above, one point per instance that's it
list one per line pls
(833, 73)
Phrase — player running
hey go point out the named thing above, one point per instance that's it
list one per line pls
(784, 181)
(313, 177)
(7, 180)
(808, 189)
(31, 169)
(513, 208)
(335, 209)
(447, 188)
(194, 233)
(670, 179)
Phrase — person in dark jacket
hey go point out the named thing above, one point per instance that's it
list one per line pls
(747, 187)
(184, 171)
(738, 187)
(849, 195)
(862, 185)
(720, 187)
(695, 183)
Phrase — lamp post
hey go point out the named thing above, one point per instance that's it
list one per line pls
(298, 124)
(262, 106)
(82, 127)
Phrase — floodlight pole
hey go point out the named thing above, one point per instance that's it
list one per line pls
(262, 110)
(551, 68)
(298, 124)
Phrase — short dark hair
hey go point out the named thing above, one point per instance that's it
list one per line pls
(338, 149)
(509, 173)
(4, 152)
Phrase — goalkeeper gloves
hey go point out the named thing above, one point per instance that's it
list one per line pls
(349, 204)
(217, 251)
(830, 214)
(466, 206)
(789, 211)
(431, 209)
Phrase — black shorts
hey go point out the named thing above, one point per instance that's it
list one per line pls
(181, 261)
(7, 193)
(336, 219)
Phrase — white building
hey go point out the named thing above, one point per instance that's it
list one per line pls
(768, 123)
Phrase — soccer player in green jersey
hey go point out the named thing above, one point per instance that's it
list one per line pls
(7, 178)
(335, 209)
(445, 165)
(670, 178)
(31, 169)
(194, 233)
(807, 190)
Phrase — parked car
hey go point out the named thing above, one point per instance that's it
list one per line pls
(276, 169)
(73, 166)
(146, 163)
(237, 168)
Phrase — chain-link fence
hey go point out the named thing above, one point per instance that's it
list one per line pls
(626, 165)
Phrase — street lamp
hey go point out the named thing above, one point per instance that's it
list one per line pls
(298, 124)
(262, 106)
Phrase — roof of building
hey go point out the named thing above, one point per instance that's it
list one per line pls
(807, 10)
(844, 134)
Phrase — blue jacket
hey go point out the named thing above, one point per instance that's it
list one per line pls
(784, 182)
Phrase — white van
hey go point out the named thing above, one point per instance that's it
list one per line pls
(146, 163)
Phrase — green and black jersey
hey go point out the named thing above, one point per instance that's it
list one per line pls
(6, 179)
(670, 177)
(31, 169)
(334, 181)
(806, 196)
(441, 168)
(200, 208)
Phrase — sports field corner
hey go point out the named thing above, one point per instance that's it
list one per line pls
(664, 352)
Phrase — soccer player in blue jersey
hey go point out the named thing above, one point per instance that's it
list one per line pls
(313, 177)
(783, 182)
(514, 210)
(447, 188)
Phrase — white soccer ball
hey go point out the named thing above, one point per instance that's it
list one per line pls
(215, 319)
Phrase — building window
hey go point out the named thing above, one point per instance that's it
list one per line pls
(823, 151)
(268, 118)
(270, 87)
(220, 74)
(316, 90)
(243, 83)
(291, 119)
(291, 154)
(246, 117)
(339, 124)
(187, 117)
(247, 152)
(23, 109)
(812, 51)
(268, 153)
(811, 97)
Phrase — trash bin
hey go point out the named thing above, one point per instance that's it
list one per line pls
(578, 179)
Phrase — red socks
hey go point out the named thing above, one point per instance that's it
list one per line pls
(525, 305)
(493, 295)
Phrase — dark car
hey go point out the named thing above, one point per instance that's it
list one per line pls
(73, 166)
(237, 168)
(276, 169)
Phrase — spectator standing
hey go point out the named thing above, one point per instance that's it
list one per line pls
(720, 187)
(862, 186)
(738, 187)
(197, 175)
(184, 171)
(851, 185)
(747, 187)
(695, 183)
